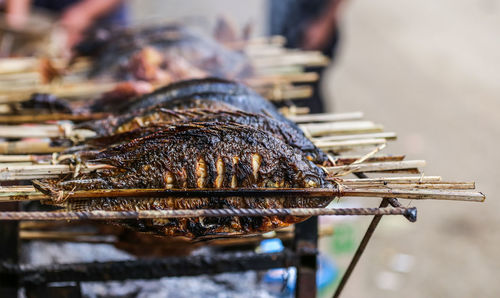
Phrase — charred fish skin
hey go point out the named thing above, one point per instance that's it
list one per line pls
(140, 126)
(186, 88)
(251, 103)
(202, 155)
(113, 48)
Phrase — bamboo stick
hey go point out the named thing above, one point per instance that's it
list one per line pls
(87, 88)
(18, 64)
(292, 58)
(380, 135)
(258, 81)
(23, 189)
(21, 158)
(451, 186)
(346, 160)
(347, 145)
(418, 194)
(377, 166)
(414, 194)
(294, 110)
(48, 158)
(326, 117)
(28, 147)
(328, 128)
(43, 171)
(412, 179)
(19, 119)
(38, 131)
(278, 93)
(289, 69)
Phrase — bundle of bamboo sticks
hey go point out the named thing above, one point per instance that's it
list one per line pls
(337, 132)
(277, 71)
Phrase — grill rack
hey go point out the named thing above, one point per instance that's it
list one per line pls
(302, 255)
(39, 281)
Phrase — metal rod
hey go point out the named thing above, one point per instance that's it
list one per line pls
(152, 268)
(396, 204)
(10, 247)
(148, 214)
(364, 242)
(361, 248)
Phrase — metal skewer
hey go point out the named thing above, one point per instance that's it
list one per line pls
(152, 214)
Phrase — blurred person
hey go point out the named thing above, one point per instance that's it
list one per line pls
(309, 25)
(75, 16)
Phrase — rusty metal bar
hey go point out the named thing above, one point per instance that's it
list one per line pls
(366, 238)
(149, 214)
(305, 245)
(361, 248)
(29, 275)
(9, 250)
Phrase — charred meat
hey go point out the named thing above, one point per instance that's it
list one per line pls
(201, 155)
(114, 50)
(128, 127)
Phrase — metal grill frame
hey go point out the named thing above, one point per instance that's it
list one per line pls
(38, 280)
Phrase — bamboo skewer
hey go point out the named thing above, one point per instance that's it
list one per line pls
(347, 191)
(291, 58)
(328, 128)
(411, 179)
(38, 131)
(49, 159)
(376, 166)
(28, 147)
(347, 145)
(46, 171)
(424, 180)
(20, 119)
(452, 186)
(381, 135)
(326, 117)
(346, 160)
(306, 77)
(45, 131)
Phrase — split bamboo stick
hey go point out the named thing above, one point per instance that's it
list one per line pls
(326, 117)
(329, 128)
(306, 77)
(377, 166)
(346, 191)
(37, 131)
(451, 186)
(43, 171)
(292, 58)
(380, 135)
(345, 160)
(424, 179)
(347, 145)
(20, 119)
(28, 147)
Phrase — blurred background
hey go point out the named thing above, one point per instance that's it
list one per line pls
(429, 70)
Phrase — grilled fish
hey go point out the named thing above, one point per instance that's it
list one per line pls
(113, 49)
(201, 155)
(129, 126)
